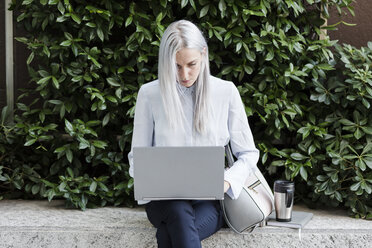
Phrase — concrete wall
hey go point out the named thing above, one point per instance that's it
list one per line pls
(357, 35)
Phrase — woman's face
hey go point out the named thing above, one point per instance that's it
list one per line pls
(188, 65)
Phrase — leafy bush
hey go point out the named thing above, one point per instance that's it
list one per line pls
(344, 176)
(88, 60)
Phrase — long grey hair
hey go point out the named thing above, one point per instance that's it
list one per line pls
(183, 34)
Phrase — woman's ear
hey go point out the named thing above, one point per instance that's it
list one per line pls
(204, 50)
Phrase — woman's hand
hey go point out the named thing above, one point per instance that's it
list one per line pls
(226, 186)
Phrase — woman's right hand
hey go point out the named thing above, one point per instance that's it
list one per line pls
(226, 186)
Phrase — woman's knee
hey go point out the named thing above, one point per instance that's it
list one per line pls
(180, 210)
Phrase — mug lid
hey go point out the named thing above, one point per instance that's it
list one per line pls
(283, 185)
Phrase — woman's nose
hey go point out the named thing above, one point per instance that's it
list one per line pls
(183, 73)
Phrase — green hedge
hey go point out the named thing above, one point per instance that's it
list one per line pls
(88, 60)
(344, 176)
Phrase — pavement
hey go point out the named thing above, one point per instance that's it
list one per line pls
(36, 224)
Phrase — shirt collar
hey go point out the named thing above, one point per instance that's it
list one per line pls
(186, 90)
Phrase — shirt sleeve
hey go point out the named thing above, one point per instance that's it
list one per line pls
(143, 125)
(242, 146)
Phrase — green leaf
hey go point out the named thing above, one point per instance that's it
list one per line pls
(69, 156)
(112, 99)
(99, 144)
(127, 98)
(93, 186)
(66, 43)
(113, 82)
(4, 115)
(222, 7)
(61, 8)
(130, 183)
(346, 122)
(91, 24)
(285, 120)
(83, 145)
(106, 119)
(303, 173)
(56, 102)
(367, 129)
(366, 103)
(163, 3)
(60, 149)
(103, 187)
(355, 186)
(297, 79)
(70, 172)
(128, 21)
(3, 179)
(298, 156)
(204, 11)
(269, 56)
(17, 184)
(62, 186)
(278, 163)
(46, 51)
(27, 2)
(30, 58)
(30, 142)
(76, 18)
(61, 18)
(95, 62)
(226, 70)
(55, 82)
(92, 150)
(44, 80)
(47, 183)
(69, 126)
(184, 3)
(358, 133)
(120, 186)
(35, 189)
(248, 69)
(218, 36)
(100, 34)
(368, 161)
(326, 67)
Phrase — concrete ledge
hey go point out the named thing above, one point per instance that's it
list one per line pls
(42, 224)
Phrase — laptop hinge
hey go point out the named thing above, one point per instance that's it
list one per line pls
(177, 198)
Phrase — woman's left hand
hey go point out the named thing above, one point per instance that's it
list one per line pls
(226, 186)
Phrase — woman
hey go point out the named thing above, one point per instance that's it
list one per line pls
(187, 106)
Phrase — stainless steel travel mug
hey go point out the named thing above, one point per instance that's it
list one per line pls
(283, 200)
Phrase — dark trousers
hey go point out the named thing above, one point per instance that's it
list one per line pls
(184, 223)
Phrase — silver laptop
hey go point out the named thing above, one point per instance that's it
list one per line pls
(164, 173)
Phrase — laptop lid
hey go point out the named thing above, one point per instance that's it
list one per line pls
(163, 173)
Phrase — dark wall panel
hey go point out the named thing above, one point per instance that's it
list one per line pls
(21, 53)
(357, 35)
(2, 55)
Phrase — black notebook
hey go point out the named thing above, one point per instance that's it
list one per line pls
(299, 220)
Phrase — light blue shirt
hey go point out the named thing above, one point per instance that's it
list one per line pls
(228, 123)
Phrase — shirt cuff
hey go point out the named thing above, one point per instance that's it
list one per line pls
(230, 193)
(235, 188)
